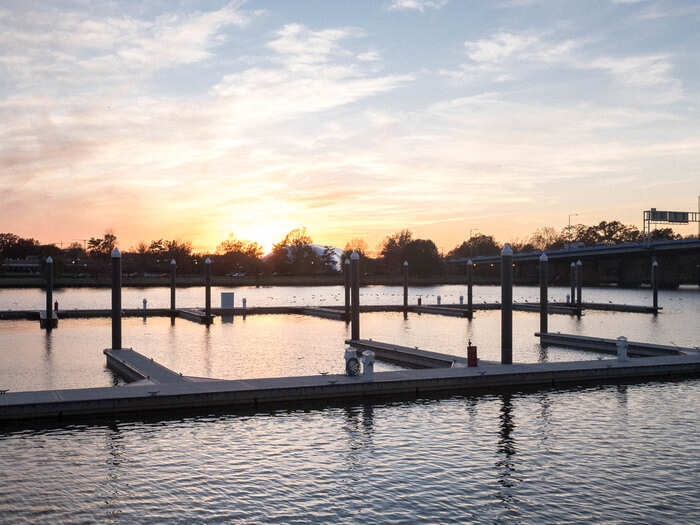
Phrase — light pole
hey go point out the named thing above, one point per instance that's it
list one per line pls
(569, 229)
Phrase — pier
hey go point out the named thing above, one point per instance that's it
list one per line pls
(133, 366)
(406, 356)
(599, 344)
(280, 392)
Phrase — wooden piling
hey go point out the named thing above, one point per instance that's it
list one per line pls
(49, 292)
(579, 284)
(207, 287)
(116, 299)
(572, 281)
(355, 270)
(173, 270)
(507, 305)
(655, 284)
(544, 300)
(470, 285)
(404, 271)
(346, 278)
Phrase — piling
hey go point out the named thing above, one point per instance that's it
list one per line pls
(173, 270)
(572, 280)
(544, 301)
(49, 292)
(579, 284)
(355, 271)
(346, 276)
(507, 305)
(655, 284)
(404, 271)
(116, 299)
(207, 287)
(622, 346)
(470, 284)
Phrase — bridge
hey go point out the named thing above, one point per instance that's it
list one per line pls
(625, 264)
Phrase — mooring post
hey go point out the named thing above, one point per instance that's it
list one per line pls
(470, 284)
(49, 292)
(173, 270)
(346, 276)
(207, 287)
(572, 280)
(579, 284)
(507, 305)
(116, 299)
(544, 301)
(404, 271)
(355, 270)
(655, 284)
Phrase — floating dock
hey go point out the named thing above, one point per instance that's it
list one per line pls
(253, 393)
(195, 314)
(133, 366)
(45, 322)
(609, 346)
(406, 356)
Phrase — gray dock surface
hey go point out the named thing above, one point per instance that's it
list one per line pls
(134, 366)
(405, 355)
(599, 344)
(251, 393)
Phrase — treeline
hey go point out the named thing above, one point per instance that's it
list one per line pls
(296, 254)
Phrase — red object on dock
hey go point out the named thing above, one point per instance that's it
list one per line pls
(471, 354)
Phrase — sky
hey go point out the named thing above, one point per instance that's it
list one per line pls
(204, 120)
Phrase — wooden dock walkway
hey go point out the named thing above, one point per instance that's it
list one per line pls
(326, 313)
(280, 392)
(609, 346)
(406, 356)
(133, 366)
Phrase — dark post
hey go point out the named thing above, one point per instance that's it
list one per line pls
(355, 270)
(116, 299)
(49, 292)
(470, 284)
(207, 287)
(404, 271)
(655, 284)
(507, 305)
(544, 301)
(173, 269)
(579, 284)
(572, 279)
(346, 277)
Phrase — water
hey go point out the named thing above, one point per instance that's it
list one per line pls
(614, 454)
(611, 453)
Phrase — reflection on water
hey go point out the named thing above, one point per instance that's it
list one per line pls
(505, 465)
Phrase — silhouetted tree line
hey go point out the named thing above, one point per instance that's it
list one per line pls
(296, 254)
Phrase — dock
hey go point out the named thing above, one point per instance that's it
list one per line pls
(133, 366)
(281, 392)
(326, 313)
(406, 356)
(195, 314)
(609, 346)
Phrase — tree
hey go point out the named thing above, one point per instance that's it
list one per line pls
(328, 260)
(102, 248)
(16, 247)
(294, 254)
(423, 258)
(393, 250)
(547, 238)
(477, 245)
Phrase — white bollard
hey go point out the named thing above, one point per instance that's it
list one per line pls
(368, 365)
(461, 299)
(352, 364)
(622, 348)
(439, 299)
(244, 302)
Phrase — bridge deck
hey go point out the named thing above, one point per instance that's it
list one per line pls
(285, 390)
(599, 344)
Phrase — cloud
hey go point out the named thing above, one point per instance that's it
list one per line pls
(416, 5)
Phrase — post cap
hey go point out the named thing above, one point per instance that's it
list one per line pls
(622, 338)
(355, 256)
(579, 263)
(507, 250)
(347, 261)
(405, 263)
(116, 254)
(573, 263)
(172, 261)
(654, 263)
(543, 257)
(207, 261)
(49, 260)
(469, 262)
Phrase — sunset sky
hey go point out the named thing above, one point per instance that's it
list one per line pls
(197, 120)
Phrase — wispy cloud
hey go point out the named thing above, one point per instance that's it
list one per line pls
(416, 5)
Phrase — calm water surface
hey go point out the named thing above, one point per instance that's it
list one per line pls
(613, 453)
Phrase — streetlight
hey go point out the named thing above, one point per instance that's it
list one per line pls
(569, 229)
